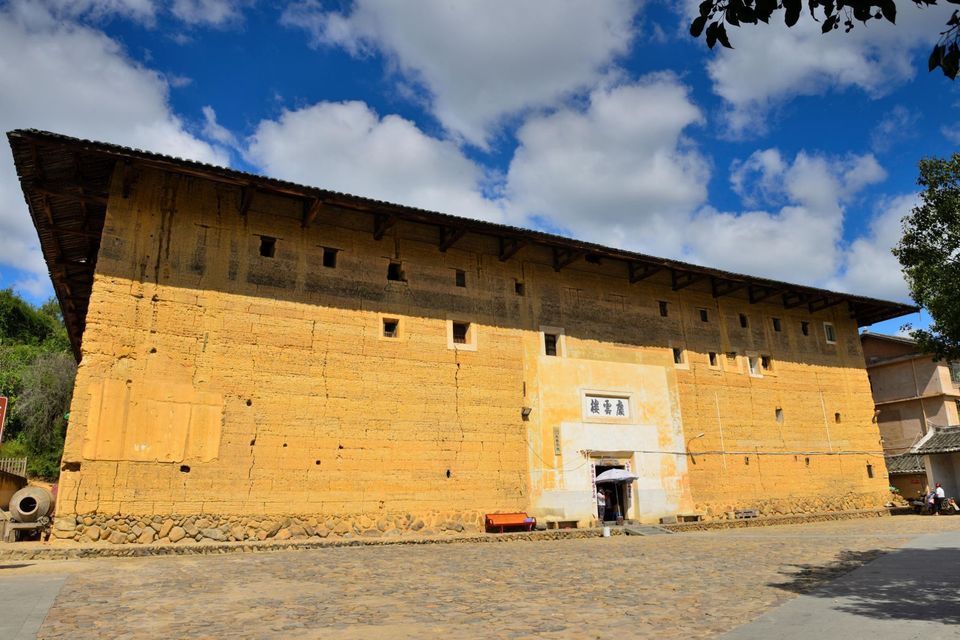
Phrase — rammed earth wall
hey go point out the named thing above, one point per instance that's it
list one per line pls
(216, 380)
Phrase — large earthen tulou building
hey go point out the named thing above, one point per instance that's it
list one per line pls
(253, 350)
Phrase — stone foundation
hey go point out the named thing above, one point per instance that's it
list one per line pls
(797, 506)
(176, 529)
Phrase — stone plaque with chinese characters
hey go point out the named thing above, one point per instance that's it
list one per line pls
(606, 406)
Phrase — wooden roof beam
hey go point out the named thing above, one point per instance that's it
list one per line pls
(721, 287)
(510, 246)
(99, 200)
(449, 237)
(823, 303)
(757, 293)
(77, 232)
(311, 209)
(683, 279)
(641, 271)
(246, 199)
(565, 257)
(130, 177)
(792, 299)
(382, 223)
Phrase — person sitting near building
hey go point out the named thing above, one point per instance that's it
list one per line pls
(601, 503)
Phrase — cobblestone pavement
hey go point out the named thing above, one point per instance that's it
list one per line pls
(692, 585)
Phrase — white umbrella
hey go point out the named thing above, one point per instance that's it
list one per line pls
(615, 475)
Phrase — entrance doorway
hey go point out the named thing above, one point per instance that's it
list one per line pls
(617, 495)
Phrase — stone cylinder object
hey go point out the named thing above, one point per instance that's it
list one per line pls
(30, 504)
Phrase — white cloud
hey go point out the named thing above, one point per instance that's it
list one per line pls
(347, 147)
(215, 13)
(143, 11)
(67, 78)
(798, 242)
(771, 63)
(870, 267)
(619, 172)
(897, 125)
(214, 130)
(481, 61)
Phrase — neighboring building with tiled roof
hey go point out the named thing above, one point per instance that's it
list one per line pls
(913, 395)
(945, 440)
(905, 463)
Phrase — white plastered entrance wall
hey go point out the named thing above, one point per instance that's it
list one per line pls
(650, 438)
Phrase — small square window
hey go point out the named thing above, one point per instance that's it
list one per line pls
(677, 355)
(836, 417)
(765, 363)
(776, 324)
(330, 258)
(805, 327)
(779, 414)
(461, 278)
(268, 246)
(550, 344)
(391, 328)
(713, 358)
(869, 470)
(753, 362)
(395, 272)
(704, 316)
(518, 288)
(460, 332)
(829, 332)
(663, 308)
(732, 359)
(744, 323)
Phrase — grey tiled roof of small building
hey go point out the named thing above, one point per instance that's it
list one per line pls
(946, 440)
(904, 463)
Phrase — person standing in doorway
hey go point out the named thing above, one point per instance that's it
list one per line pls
(601, 503)
(938, 496)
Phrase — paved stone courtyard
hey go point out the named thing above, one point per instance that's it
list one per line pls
(692, 585)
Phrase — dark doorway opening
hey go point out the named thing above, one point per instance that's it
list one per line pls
(616, 495)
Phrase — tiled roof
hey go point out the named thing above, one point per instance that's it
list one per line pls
(944, 440)
(904, 463)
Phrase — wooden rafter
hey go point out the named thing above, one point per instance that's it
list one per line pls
(824, 303)
(311, 209)
(683, 279)
(76, 232)
(757, 293)
(246, 199)
(449, 236)
(641, 271)
(792, 299)
(130, 177)
(563, 257)
(720, 287)
(509, 247)
(57, 192)
(382, 223)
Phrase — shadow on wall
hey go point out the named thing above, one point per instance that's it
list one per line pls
(906, 584)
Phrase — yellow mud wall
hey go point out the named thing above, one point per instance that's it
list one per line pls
(215, 380)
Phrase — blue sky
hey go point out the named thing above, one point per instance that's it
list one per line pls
(792, 156)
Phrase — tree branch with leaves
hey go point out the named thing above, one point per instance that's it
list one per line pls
(715, 15)
(929, 253)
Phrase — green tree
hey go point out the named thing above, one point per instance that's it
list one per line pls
(929, 252)
(36, 375)
(41, 410)
(715, 15)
